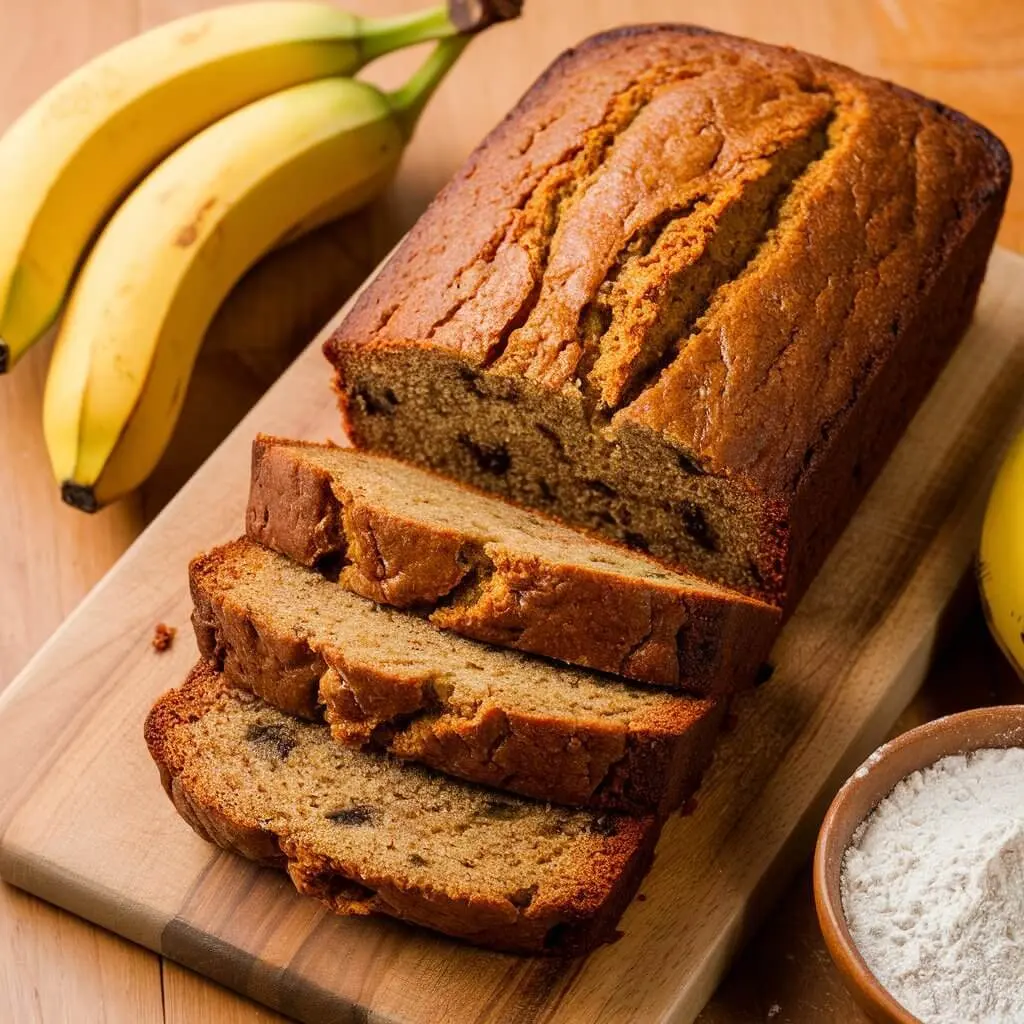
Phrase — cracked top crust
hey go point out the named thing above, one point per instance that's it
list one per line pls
(694, 234)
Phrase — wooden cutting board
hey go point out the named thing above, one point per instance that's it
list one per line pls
(85, 824)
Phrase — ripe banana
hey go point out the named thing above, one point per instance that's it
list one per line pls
(68, 160)
(181, 240)
(1001, 557)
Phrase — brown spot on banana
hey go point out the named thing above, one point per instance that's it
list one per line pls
(194, 33)
(190, 232)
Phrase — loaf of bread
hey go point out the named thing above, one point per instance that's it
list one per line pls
(688, 293)
(370, 835)
(389, 680)
(499, 574)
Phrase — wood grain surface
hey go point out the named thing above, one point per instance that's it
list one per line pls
(970, 54)
(84, 825)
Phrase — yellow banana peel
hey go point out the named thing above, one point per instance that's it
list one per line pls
(1001, 557)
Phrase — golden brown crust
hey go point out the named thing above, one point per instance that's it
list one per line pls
(606, 882)
(200, 810)
(719, 313)
(280, 666)
(671, 632)
(651, 760)
(644, 766)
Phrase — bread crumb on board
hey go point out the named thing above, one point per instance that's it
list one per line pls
(163, 637)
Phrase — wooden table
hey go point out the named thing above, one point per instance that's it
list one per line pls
(54, 967)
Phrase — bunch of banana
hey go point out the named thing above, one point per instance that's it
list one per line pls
(187, 153)
(1001, 557)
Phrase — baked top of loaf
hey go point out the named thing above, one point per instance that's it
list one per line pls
(367, 834)
(498, 573)
(390, 678)
(698, 235)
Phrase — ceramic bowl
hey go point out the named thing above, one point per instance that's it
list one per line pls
(862, 792)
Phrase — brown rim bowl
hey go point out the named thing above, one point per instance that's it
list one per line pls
(860, 794)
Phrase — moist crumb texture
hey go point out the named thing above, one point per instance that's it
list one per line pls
(688, 293)
(367, 834)
(498, 573)
(389, 680)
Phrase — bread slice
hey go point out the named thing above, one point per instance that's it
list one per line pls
(388, 679)
(367, 834)
(500, 574)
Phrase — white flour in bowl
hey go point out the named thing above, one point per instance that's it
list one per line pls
(933, 890)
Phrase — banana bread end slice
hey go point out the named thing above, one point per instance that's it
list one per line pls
(369, 835)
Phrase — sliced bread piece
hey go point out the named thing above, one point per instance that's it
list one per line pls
(367, 834)
(500, 574)
(388, 679)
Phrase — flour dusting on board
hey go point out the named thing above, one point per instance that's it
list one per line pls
(933, 890)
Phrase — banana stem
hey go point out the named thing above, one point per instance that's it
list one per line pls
(378, 36)
(408, 102)
(475, 15)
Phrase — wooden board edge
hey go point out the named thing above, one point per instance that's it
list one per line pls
(109, 909)
(242, 972)
(953, 547)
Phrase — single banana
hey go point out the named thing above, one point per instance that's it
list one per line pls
(1001, 557)
(67, 161)
(180, 241)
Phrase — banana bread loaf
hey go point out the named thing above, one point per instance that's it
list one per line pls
(497, 573)
(370, 835)
(688, 293)
(389, 680)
